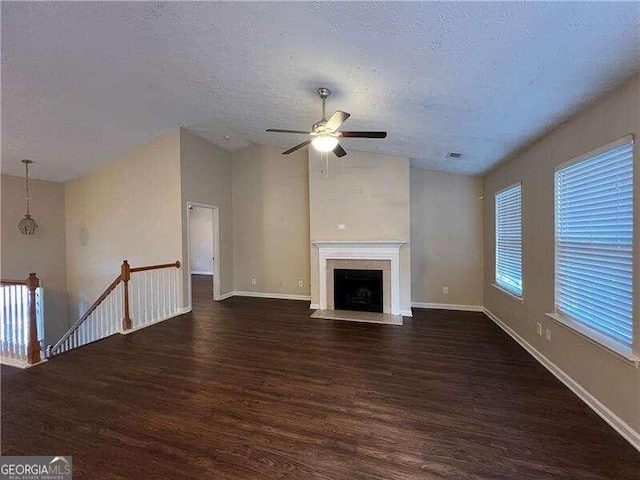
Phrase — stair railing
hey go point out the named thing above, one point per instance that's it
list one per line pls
(111, 312)
(21, 321)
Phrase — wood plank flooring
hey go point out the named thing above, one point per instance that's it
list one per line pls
(255, 389)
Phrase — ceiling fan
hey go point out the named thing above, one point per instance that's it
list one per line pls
(324, 133)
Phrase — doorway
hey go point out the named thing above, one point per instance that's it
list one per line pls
(203, 240)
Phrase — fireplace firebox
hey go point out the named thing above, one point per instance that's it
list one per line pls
(359, 290)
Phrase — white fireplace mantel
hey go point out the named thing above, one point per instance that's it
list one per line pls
(360, 250)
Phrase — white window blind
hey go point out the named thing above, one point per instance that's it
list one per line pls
(594, 242)
(509, 239)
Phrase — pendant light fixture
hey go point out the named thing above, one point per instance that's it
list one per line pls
(27, 225)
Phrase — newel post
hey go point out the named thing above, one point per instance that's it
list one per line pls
(33, 349)
(126, 275)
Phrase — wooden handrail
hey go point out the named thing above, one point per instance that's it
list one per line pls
(90, 310)
(12, 282)
(156, 267)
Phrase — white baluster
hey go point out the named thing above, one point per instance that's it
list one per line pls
(90, 335)
(24, 339)
(14, 318)
(153, 293)
(112, 311)
(104, 331)
(170, 288)
(155, 296)
(146, 296)
(3, 319)
(164, 292)
(138, 288)
(21, 319)
(18, 321)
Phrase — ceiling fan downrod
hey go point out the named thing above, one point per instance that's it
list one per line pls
(324, 93)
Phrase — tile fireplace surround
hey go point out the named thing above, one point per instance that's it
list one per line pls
(360, 250)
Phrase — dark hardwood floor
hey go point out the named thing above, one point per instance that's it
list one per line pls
(255, 389)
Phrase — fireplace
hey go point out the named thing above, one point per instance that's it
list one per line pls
(359, 290)
(358, 255)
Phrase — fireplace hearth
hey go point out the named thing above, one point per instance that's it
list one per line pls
(358, 290)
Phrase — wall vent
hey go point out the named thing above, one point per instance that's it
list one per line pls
(454, 155)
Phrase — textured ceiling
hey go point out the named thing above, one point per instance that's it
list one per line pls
(84, 82)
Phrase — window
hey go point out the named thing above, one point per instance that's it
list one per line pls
(594, 241)
(509, 239)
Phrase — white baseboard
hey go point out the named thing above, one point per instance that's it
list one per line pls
(194, 272)
(448, 306)
(314, 306)
(14, 362)
(619, 425)
(224, 296)
(281, 296)
(180, 311)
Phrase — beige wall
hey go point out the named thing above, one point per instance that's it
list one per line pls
(207, 178)
(43, 253)
(271, 220)
(126, 209)
(446, 234)
(369, 194)
(610, 379)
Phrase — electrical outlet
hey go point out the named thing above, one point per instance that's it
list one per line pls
(280, 284)
(548, 335)
(445, 290)
(539, 328)
(253, 281)
(300, 284)
(342, 226)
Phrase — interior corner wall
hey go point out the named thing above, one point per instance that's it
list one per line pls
(368, 193)
(446, 233)
(610, 379)
(127, 209)
(206, 177)
(271, 221)
(43, 253)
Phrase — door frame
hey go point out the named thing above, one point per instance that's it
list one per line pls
(216, 247)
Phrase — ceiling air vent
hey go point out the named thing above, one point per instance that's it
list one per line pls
(454, 155)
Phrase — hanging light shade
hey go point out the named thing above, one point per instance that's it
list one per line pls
(27, 225)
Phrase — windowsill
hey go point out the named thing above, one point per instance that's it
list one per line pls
(617, 348)
(508, 293)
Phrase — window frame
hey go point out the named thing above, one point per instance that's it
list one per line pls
(500, 287)
(601, 339)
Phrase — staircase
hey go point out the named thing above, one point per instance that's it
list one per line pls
(136, 298)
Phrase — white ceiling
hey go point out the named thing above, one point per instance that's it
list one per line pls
(84, 82)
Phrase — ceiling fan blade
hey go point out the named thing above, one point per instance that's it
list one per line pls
(336, 120)
(339, 151)
(364, 134)
(300, 145)
(277, 130)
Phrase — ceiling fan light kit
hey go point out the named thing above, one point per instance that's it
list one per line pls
(325, 134)
(324, 143)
